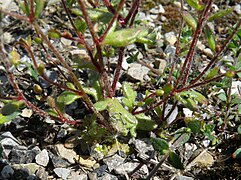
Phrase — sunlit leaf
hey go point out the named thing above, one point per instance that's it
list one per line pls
(67, 97)
(220, 14)
(195, 4)
(210, 38)
(80, 25)
(189, 20)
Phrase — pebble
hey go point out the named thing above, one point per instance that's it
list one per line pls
(237, 9)
(204, 159)
(42, 158)
(108, 176)
(77, 175)
(160, 64)
(235, 87)
(65, 153)
(7, 172)
(208, 52)
(137, 71)
(129, 167)
(173, 115)
(170, 38)
(184, 178)
(170, 51)
(113, 162)
(62, 172)
(58, 162)
(31, 168)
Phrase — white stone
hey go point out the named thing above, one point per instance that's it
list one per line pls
(235, 87)
(62, 172)
(170, 38)
(42, 158)
(237, 9)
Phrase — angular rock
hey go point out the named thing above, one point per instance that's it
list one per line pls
(77, 175)
(58, 162)
(129, 167)
(184, 178)
(108, 176)
(113, 162)
(137, 71)
(42, 158)
(170, 38)
(68, 154)
(160, 64)
(41, 173)
(204, 159)
(62, 172)
(30, 168)
(143, 146)
(7, 172)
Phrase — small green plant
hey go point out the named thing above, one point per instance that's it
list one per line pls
(111, 30)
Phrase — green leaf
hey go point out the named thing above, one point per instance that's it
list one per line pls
(237, 153)
(91, 91)
(167, 89)
(145, 123)
(124, 37)
(212, 73)
(39, 8)
(195, 4)
(239, 129)
(54, 34)
(175, 161)
(80, 25)
(222, 96)
(194, 124)
(8, 118)
(25, 8)
(220, 14)
(14, 58)
(189, 20)
(33, 73)
(11, 107)
(101, 105)
(160, 145)
(130, 95)
(210, 38)
(67, 97)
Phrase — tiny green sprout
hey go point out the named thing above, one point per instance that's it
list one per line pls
(159, 92)
(14, 58)
(41, 69)
(37, 89)
(53, 33)
(230, 74)
(38, 40)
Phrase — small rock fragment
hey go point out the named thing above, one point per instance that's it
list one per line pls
(31, 168)
(77, 175)
(7, 172)
(58, 162)
(108, 176)
(62, 172)
(68, 154)
(85, 162)
(184, 178)
(137, 71)
(160, 64)
(42, 158)
(170, 38)
(204, 159)
(113, 162)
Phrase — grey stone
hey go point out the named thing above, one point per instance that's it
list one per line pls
(68, 154)
(143, 146)
(58, 162)
(42, 174)
(7, 172)
(237, 9)
(113, 161)
(137, 71)
(92, 175)
(52, 75)
(107, 176)
(160, 64)
(101, 170)
(184, 178)
(62, 172)
(170, 51)
(30, 168)
(129, 167)
(77, 175)
(173, 115)
(42, 158)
